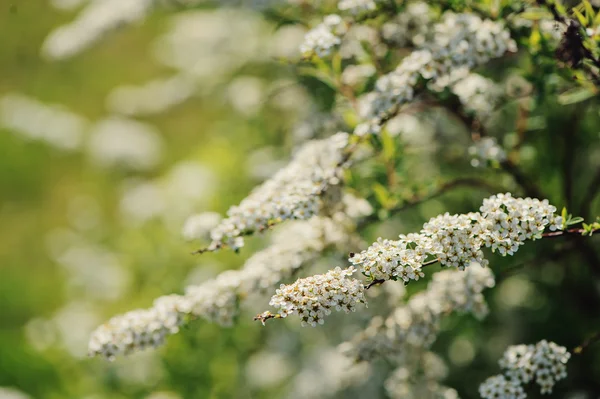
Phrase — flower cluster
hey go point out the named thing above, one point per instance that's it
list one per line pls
(514, 220)
(392, 260)
(499, 386)
(460, 42)
(486, 150)
(503, 224)
(314, 297)
(409, 27)
(293, 193)
(324, 37)
(139, 329)
(478, 95)
(544, 361)
(416, 324)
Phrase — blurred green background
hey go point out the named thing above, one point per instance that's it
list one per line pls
(85, 235)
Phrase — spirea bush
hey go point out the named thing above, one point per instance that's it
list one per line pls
(412, 102)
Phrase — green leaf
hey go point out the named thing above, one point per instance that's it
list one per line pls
(576, 95)
(381, 194)
(389, 145)
(536, 14)
(589, 12)
(574, 220)
(580, 17)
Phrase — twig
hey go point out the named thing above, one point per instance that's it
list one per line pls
(589, 341)
(442, 189)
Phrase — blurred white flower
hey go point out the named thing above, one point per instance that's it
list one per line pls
(117, 141)
(152, 97)
(486, 150)
(94, 271)
(266, 369)
(94, 21)
(74, 323)
(246, 95)
(33, 120)
(142, 201)
(210, 44)
(198, 227)
(285, 41)
(12, 393)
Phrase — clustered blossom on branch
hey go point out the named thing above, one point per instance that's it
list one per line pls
(545, 362)
(293, 245)
(321, 40)
(313, 298)
(504, 223)
(415, 325)
(293, 193)
(460, 42)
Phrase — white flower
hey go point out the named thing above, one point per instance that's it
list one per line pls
(125, 142)
(50, 123)
(95, 21)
